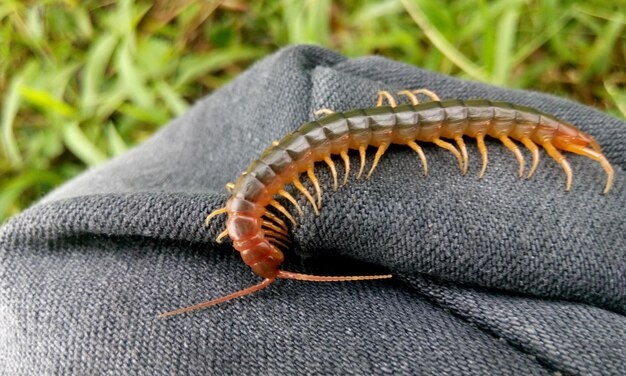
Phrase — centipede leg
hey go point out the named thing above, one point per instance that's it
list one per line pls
(318, 278)
(448, 146)
(463, 148)
(276, 220)
(362, 155)
(419, 152)
(221, 236)
(597, 156)
(552, 152)
(298, 184)
(346, 162)
(266, 282)
(331, 164)
(276, 235)
(480, 141)
(384, 94)
(275, 242)
(428, 93)
(230, 186)
(311, 173)
(534, 150)
(274, 227)
(214, 214)
(379, 153)
(518, 154)
(284, 211)
(289, 197)
(411, 96)
(323, 111)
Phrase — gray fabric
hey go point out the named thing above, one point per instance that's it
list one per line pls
(493, 276)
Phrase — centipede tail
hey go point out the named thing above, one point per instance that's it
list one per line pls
(257, 233)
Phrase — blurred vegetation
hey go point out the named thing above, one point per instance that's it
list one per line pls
(83, 81)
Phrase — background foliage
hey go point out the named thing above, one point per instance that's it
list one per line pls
(81, 82)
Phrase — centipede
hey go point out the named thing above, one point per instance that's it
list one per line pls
(257, 221)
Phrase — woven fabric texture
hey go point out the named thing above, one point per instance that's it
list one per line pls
(494, 276)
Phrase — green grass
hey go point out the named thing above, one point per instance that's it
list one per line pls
(83, 81)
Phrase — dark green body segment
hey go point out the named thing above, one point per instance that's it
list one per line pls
(315, 140)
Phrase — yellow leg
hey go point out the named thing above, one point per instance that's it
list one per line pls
(560, 159)
(289, 197)
(362, 155)
(448, 146)
(379, 153)
(461, 144)
(384, 94)
(298, 184)
(534, 150)
(419, 152)
(346, 162)
(480, 141)
(230, 187)
(428, 93)
(597, 156)
(274, 227)
(311, 173)
(276, 220)
(411, 96)
(214, 214)
(518, 154)
(331, 164)
(284, 211)
(221, 236)
(323, 111)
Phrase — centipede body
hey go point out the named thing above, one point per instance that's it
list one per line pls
(258, 232)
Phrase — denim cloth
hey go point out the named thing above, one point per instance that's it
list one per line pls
(494, 276)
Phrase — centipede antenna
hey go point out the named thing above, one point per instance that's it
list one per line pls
(384, 94)
(289, 197)
(331, 164)
(214, 214)
(410, 95)
(266, 282)
(448, 146)
(346, 161)
(463, 148)
(318, 278)
(221, 236)
(277, 220)
(230, 186)
(272, 226)
(518, 154)
(534, 150)
(284, 211)
(597, 156)
(428, 93)
(298, 184)
(560, 159)
(311, 173)
(362, 150)
(480, 141)
(419, 152)
(379, 153)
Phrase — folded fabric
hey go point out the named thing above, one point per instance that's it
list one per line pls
(494, 276)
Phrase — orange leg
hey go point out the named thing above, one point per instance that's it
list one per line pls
(298, 184)
(311, 173)
(362, 155)
(379, 153)
(346, 162)
(597, 156)
(419, 152)
(284, 211)
(552, 152)
(448, 146)
(518, 154)
(289, 197)
(534, 150)
(276, 220)
(331, 164)
(480, 141)
(461, 144)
